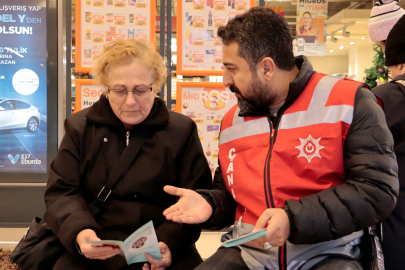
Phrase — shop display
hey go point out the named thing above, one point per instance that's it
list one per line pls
(87, 93)
(102, 21)
(200, 51)
(23, 86)
(206, 103)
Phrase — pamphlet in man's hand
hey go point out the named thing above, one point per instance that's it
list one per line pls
(134, 248)
(244, 238)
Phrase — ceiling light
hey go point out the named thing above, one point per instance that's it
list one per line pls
(351, 43)
(346, 34)
(331, 51)
(333, 39)
(328, 37)
(341, 47)
(362, 38)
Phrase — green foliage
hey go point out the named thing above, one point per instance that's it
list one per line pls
(378, 62)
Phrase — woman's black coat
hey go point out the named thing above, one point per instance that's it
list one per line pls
(94, 140)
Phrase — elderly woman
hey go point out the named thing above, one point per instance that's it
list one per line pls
(94, 140)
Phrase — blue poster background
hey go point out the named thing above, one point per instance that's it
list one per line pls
(23, 47)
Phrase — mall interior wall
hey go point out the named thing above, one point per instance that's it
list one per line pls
(338, 64)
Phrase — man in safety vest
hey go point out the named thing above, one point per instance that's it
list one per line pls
(306, 156)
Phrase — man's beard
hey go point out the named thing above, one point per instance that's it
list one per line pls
(257, 99)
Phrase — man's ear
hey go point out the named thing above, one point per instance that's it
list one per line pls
(267, 68)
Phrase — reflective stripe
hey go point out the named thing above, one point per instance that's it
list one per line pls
(330, 114)
(322, 91)
(245, 129)
(236, 118)
(317, 113)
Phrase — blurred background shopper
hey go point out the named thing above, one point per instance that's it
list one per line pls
(391, 96)
(383, 17)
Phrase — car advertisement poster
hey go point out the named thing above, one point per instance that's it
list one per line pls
(102, 21)
(206, 103)
(311, 28)
(200, 48)
(23, 86)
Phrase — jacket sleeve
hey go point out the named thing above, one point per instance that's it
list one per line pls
(222, 203)
(193, 173)
(371, 188)
(67, 213)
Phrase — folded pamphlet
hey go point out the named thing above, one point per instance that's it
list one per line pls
(244, 238)
(134, 248)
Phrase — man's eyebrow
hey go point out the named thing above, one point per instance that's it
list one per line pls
(228, 64)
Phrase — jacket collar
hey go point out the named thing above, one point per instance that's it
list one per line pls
(399, 78)
(101, 113)
(296, 86)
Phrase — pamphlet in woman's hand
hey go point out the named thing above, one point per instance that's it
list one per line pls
(244, 238)
(136, 245)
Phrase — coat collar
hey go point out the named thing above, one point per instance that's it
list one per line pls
(296, 86)
(101, 113)
(399, 78)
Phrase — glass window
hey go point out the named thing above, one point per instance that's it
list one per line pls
(19, 105)
(8, 105)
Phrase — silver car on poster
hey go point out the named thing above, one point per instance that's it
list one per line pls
(16, 114)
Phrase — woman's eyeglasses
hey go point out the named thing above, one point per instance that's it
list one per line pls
(138, 92)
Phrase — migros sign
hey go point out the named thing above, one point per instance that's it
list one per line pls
(212, 98)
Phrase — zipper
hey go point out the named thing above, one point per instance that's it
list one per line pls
(282, 252)
(282, 257)
(267, 188)
(128, 137)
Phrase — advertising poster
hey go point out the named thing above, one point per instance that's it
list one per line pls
(279, 9)
(23, 86)
(87, 93)
(206, 103)
(102, 21)
(311, 28)
(200, 48)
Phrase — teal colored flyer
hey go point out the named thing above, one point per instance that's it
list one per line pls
(136, 245)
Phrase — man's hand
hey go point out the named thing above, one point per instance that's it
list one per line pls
(278, 228)
(162, 264)
(92, 252)
(191, 208)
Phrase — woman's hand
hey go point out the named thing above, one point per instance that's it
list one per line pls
(162, 264)
(191, 208)
(92, 252)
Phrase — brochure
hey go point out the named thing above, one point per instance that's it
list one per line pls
(244, 238)
(134, 248)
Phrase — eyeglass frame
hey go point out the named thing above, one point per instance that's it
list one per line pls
(125, 92)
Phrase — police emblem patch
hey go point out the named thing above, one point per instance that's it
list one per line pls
(309, 148)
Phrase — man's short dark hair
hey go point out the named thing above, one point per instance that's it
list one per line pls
(260, 32)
